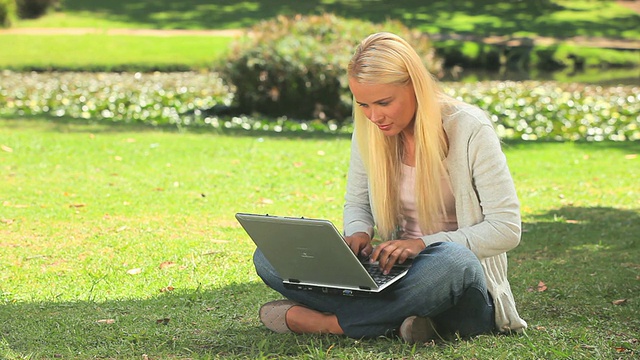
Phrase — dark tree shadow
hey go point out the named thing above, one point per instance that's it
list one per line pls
(575, 263)
(528, 16)
(185, 323)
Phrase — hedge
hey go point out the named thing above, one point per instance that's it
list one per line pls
(528, 110)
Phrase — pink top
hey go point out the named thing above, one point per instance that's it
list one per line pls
(411, 229)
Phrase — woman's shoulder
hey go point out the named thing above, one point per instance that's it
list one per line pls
(464, 115)
(462, 121)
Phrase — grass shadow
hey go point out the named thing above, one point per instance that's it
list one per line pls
(627, 147)
(68, 124)
(574, 263)
(483, 18)
(187, 323)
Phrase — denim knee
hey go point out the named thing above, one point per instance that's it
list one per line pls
(454, 257)
(264, 269)
(445, 271)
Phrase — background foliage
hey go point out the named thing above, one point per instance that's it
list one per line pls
(527, 110)
(458, 29)
(31, 9)
(296, 66)
(7, 12)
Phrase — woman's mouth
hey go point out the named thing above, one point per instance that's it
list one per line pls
(385, 127)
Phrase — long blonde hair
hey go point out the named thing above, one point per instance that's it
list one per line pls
(385, 58)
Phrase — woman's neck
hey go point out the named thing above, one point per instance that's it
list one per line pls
(408, 148)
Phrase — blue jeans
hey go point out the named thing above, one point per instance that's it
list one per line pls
(446, 283)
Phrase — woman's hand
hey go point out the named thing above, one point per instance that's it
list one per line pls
(360, 244)
(394, 252)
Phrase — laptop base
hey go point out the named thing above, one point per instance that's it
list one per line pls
(331, 291)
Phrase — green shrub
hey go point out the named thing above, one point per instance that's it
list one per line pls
(7, 12)
(527, 110)
(31, 9)
(296, 66)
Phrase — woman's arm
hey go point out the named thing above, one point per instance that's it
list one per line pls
(357, 213)
(489, 211)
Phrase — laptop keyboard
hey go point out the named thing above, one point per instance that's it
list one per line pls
(379, 277)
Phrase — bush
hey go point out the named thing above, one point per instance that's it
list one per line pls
(296, 66)
(7, 12)
(31, 9)
(528, 110)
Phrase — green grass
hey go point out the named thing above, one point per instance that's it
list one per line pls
(111, 52)
(82, 204)
(561, 18)
(548, 18)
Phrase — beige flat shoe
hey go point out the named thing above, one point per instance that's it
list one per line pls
(273, 315)
(415, 329)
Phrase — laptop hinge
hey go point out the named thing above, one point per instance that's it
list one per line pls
(294, 281)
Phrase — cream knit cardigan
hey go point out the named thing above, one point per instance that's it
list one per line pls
(487, 207)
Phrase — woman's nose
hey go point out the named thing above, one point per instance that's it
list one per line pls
(374, 115)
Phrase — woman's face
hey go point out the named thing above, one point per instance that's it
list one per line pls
(390, 107)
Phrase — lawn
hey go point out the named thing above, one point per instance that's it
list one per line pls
(111, 52)
(119, 242)
(547, 18)
(554, 18)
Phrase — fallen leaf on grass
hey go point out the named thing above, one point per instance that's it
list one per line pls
(166, 264)
(540, 288)
(6, 221)
(167, 289)
(163, 321)
(77, 205)
(106, 321)
(135, 271)
(266, 201)
(631, 156)
(619, 302)
(621, 349)
(6, 148)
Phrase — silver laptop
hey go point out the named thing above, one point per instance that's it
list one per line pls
(310, 254)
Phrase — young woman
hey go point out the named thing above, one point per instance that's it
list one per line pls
(428, 174)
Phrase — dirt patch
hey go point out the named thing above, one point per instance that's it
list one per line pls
(631, 4)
